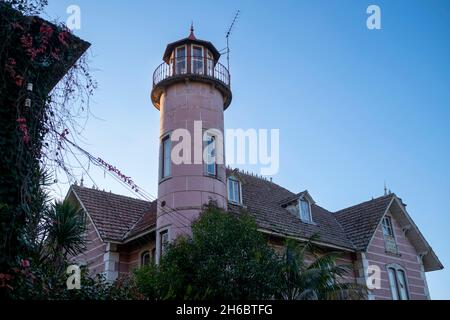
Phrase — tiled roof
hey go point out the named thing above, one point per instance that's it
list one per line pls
(119, 218)
(116, 216)
(360, 221)
(148, 220)
(262, 198)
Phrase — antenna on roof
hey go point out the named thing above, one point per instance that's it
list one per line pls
(230, 30)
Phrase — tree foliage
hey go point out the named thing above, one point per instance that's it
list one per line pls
(34, 118)
(310, 273)
(226, 258)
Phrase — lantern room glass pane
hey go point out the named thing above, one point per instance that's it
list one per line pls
(180, 57)
(197, 60)
(210, 64)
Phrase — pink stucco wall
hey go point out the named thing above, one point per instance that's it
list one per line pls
(407, 259)
(188, 188)
(92, 257)
(130, 255)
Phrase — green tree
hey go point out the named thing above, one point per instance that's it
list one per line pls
(65, 226)
(226, 258)
(309, 273)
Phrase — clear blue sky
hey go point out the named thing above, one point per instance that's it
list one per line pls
(354, 107)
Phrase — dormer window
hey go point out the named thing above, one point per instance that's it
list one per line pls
(299, 205)
(305, 210)
(234, 190)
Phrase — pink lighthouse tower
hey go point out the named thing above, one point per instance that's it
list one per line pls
(191, 89)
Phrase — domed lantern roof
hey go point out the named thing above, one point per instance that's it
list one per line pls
(194, 60)
(191, 39)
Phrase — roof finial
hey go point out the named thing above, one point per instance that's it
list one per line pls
(82, 181)
(385, 189)
(192, 36)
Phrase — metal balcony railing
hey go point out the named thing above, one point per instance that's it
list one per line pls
(199, 66)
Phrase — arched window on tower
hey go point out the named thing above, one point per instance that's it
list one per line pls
(210, 150)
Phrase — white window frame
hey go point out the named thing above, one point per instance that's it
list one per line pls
(195, 58)
(165, 165)
(207, 166)
(239, 185)
(300, 210)
(209, 63)
(185, 60)
(397, 269)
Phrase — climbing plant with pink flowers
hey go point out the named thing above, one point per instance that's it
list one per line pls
(45, 87)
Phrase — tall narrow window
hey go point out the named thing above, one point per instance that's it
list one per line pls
(180, 57)
(166, 161)
(164, 241)
(401, 278)
(210, 151)
(145, 258)
(305, 211)
(197, 60)
(397, 282)
(388, 233)
(393, 283)
(210, 64)
(234, 190)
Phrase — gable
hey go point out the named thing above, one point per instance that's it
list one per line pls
(114, 216)
(414, 236)
(360, 221)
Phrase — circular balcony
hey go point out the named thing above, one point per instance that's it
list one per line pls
(199, 69)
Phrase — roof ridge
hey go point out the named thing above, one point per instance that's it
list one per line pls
(111, 193)
(363, 203)
(252, 175)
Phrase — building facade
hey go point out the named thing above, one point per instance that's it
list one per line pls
(191, 90)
